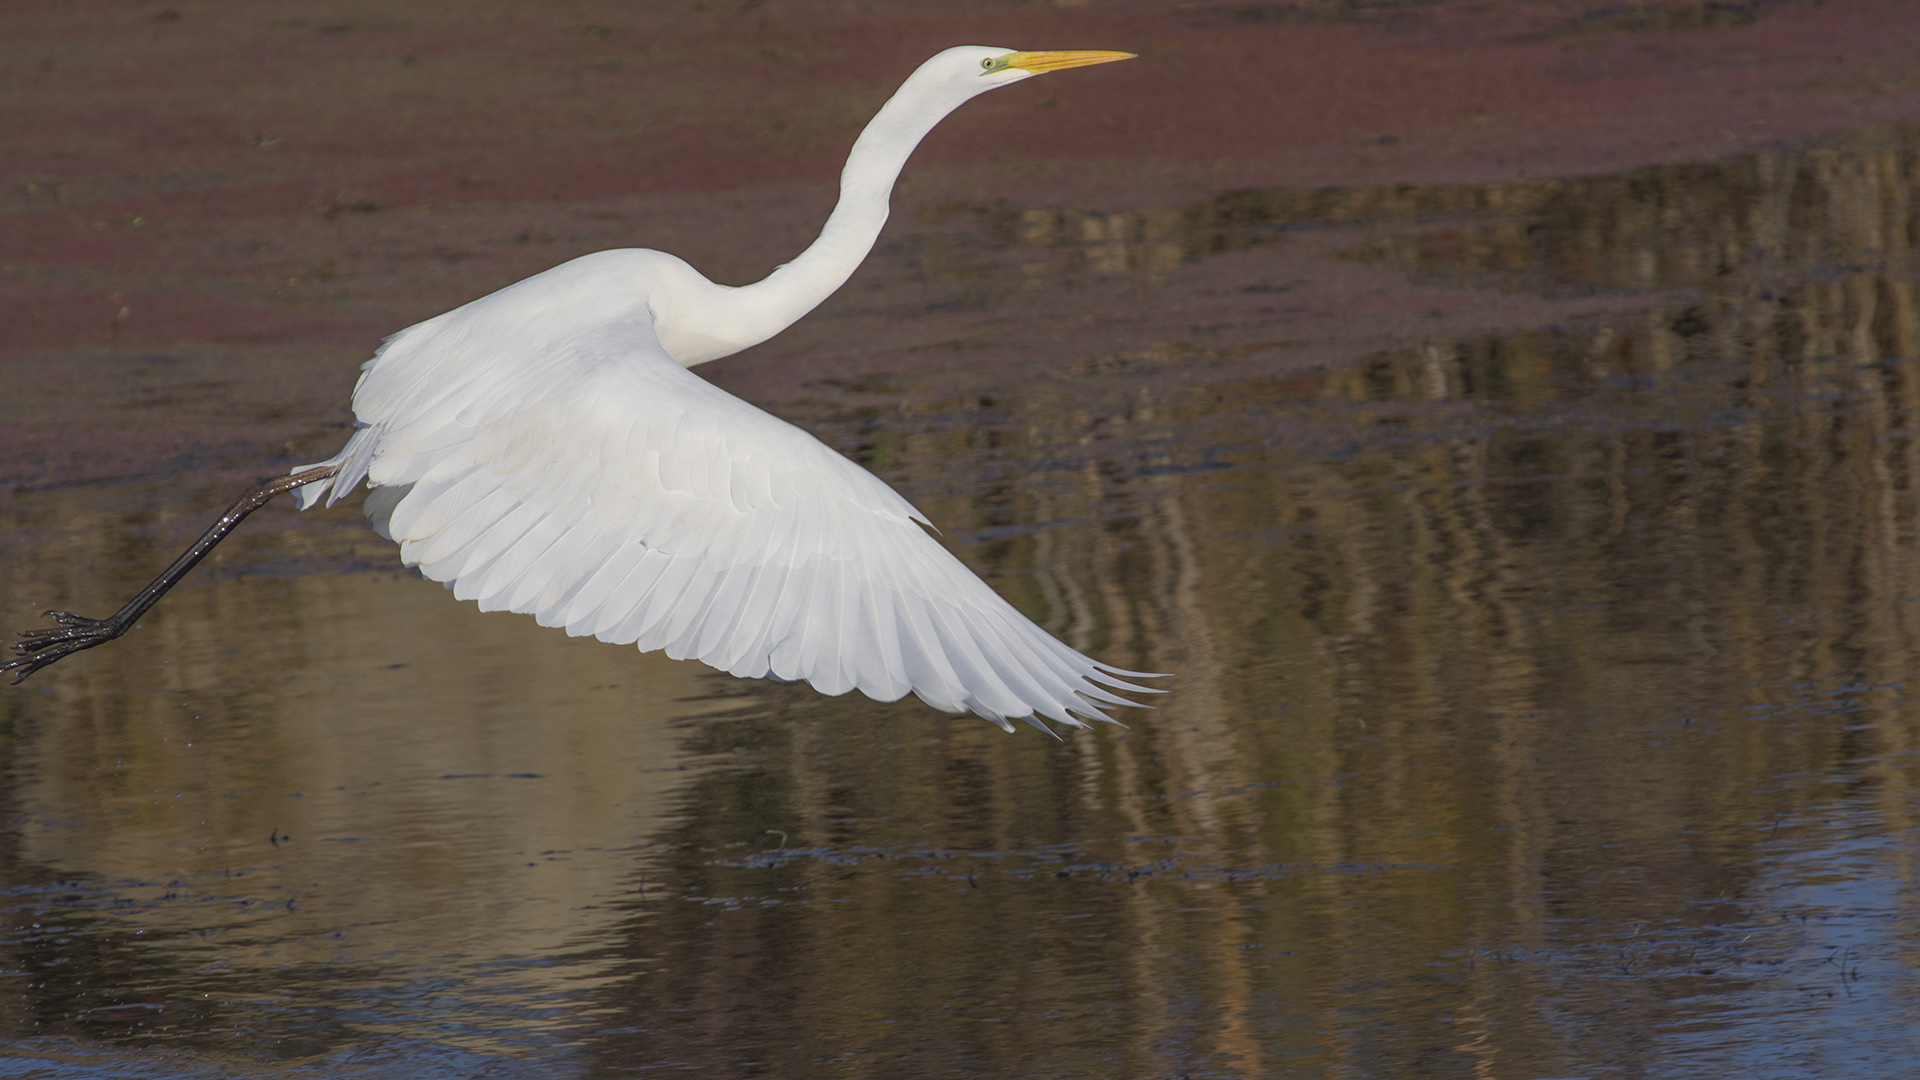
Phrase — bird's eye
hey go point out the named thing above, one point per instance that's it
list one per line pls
(987, 64)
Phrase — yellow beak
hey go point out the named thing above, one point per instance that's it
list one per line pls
(1038, 62)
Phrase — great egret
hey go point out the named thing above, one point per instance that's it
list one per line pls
(545, 450)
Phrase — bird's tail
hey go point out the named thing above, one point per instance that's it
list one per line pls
(353, 461)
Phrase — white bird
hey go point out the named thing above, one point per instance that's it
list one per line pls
(545, 450)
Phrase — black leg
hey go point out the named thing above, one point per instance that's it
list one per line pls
(38, 648)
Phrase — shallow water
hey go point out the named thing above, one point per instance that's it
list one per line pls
(1539, 705)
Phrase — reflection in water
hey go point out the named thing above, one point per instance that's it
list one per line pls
(1541, 711)
(290, 829)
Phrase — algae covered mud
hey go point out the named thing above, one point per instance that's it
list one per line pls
(1538, 560)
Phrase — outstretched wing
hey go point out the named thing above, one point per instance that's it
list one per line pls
(604, 488)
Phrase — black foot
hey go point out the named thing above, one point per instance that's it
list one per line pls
(38, 648)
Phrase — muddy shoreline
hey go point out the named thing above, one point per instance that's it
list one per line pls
(214, 212)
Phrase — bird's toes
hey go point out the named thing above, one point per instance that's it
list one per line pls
(43, 645)
(35, 655)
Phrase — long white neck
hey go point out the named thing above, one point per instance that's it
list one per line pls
(750, 314)
(866, 183)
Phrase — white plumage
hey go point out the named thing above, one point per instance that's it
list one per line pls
(545, 450)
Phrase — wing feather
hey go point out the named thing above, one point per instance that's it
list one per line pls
(548, 568)
(677, 602)
(890, 679)
(550, 605)
(577, 609)
(441, 500)
(754, 621)
(499, 556)
(620, 602)
(788, 635)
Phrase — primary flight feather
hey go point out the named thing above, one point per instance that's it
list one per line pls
(545, 450)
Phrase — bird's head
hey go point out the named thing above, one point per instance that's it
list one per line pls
(975, 69)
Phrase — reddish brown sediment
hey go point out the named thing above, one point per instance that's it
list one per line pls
(266, 191)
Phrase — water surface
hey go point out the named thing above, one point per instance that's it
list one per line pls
(1540, 700)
